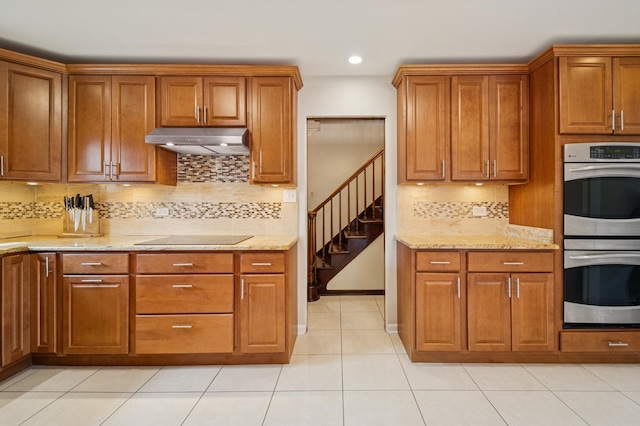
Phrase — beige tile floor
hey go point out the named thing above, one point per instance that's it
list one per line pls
(345, 371)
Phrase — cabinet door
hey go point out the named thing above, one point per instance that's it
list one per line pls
(425, 152)
(133, 116)
(272, 137)
(489, 312)
(181, 100)
(16, 298)
(225, 101)
(508, 127)
(438, 312)
(626, 96)
(586, 95)
(95, 314)
(470, 128)
(89, 128)
(532, 312)
(43, 303)
(30, 123)
(262, 313)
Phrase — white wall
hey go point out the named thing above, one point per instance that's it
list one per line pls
(350, 97)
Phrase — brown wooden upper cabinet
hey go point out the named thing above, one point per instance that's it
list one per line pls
(273, 117)
(109, 117)
(203, 101)
(600, 95)
(463, 128)
(30, 123)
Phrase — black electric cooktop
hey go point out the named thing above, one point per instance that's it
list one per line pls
(196, 240)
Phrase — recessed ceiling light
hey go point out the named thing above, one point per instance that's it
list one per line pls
(355, 59)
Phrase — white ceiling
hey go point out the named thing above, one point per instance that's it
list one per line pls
(318, 36)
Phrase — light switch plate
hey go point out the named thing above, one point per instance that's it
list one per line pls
(289, 195)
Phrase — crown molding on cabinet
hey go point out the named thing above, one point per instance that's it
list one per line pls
(458, 69)
(33, 61)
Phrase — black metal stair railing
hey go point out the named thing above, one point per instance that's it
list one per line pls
(357, 200)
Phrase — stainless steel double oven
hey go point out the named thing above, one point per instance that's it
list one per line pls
(602, 235)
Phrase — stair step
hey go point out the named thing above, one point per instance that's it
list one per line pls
(322, 264)
(336, 249)
(371, 220)
(354, 234)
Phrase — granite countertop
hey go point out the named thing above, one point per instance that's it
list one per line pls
(128, 243)
(473, 242)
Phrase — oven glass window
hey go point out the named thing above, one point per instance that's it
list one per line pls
(603, 285)
(603, 198)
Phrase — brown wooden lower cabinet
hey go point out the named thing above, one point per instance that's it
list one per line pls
(475, 302)
(438, 305)
(16, 299)
(262, 313)
(184, 334)
(43, 303)
(95, 314)
(510, 312)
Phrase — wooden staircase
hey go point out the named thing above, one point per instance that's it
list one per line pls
(331, 245)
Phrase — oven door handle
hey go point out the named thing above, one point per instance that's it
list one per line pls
(607, 167)
(606, 256)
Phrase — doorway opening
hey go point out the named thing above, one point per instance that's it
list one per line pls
(345, 196)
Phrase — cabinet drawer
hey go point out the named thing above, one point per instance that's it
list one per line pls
(184, 334)
(261, 262)
(184, 263)
(95, 263)
(600, 341)
(437, 261)
(184, 294)
(510, 261)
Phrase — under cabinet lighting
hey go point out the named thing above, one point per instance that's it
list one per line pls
(32, 183)
(420, 183)
(479, 183)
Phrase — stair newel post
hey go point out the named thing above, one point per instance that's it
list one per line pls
(324, 240)
(312, 272)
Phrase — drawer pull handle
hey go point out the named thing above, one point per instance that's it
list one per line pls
(512, 263)
(618, 344)
(96, 285)
(91, 264)
(242, 288)
(182, 286)
(183, 264)
(261, 264)
(181, 326)
(440, 262)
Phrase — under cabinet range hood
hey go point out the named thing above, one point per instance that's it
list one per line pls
(202, 140)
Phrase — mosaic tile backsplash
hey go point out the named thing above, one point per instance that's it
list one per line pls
(210, 168)
(448, 209)
(460, 209)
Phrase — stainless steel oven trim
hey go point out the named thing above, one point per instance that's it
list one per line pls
(578, 225)
(577, 313)
(575, 171)
(576, 259)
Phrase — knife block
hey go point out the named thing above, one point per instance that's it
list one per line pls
(90, 228)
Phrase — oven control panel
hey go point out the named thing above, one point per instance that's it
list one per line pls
(596, 152)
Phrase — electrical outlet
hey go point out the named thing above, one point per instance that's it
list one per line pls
(162, 212)
(289, 196)
(479, 211)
